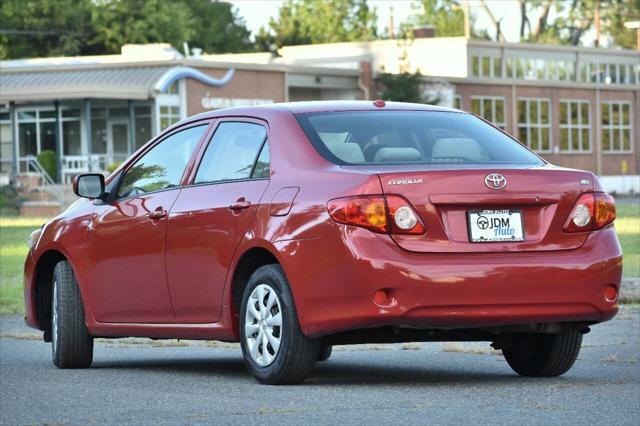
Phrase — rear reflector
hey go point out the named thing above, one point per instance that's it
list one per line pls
(591, 211)
(391, 214)
(610, 293)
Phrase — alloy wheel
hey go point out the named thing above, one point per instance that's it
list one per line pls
(263, 325)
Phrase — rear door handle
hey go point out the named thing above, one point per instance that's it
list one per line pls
(239, 205)
(157, 214)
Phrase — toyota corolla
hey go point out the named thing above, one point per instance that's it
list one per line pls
(295, 227)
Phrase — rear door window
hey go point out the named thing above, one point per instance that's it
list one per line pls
(232, 153)
(411, 137)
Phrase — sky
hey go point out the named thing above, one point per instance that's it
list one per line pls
(257, 13)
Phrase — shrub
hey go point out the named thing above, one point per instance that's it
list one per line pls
(113, 166)
(49, 163)
(9, 200)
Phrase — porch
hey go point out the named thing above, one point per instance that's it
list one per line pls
(90, 119)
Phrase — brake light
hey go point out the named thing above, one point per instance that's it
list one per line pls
(591, 212)
(391, 214)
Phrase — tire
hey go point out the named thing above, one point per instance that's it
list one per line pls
(71, 344)
(325, 353)
(543, 355)
(294, 355)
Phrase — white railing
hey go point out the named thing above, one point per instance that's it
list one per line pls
(73, 165)
(47, 181)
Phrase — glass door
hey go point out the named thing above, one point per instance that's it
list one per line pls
(117, 141)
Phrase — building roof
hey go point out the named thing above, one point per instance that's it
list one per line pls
(107, 83)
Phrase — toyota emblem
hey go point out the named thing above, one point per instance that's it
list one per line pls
(495, 181)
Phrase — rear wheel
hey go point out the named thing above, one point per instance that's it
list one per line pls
(274, 348)
(543, 355)
(71, 344)
(325, 352)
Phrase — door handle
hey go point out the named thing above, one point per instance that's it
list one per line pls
(157, 214)
(239, 205)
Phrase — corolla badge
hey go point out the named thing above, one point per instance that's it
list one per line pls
(495, 181)
(404, 181)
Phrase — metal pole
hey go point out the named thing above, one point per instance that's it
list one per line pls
(132, 131)
(59, 146)
(467, 24)
(88, 134)
(15, 169)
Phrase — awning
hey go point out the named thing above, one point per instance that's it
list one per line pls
(136, 83)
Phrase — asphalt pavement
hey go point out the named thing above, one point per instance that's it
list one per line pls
(142, 382)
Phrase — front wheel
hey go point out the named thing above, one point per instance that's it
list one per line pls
(71, 344)
(543, 355)
(274, 348)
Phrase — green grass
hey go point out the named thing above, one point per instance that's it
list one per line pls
(628, 229)
(14, 232)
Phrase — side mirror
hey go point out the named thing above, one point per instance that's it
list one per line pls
(89, 185)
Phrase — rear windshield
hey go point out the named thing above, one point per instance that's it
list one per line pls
(410, 137)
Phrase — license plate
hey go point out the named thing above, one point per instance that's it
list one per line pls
(486, 226)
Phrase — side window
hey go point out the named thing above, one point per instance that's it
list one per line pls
(262, 168)
(161, 167)
(231, 153)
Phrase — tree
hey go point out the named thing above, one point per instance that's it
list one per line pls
(403, 87)
(31, 28)
(216, 26)
(310, 21)
(445, 16)
(140, 21)
(45, 28)
(573, 19)
(614, 15)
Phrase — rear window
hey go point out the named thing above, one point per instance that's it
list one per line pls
(410, 137)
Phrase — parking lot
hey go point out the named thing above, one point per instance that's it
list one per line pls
(139, 381)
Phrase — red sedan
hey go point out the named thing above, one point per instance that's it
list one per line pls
(294, 227)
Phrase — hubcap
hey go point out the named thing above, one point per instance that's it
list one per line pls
(263, 325)
(54, 316)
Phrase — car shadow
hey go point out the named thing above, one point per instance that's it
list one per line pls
(332, 372)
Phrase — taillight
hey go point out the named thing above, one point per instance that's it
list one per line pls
(404, 219)
(591, 212)
(391, 214)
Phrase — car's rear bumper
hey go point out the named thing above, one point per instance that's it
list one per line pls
(334, 279)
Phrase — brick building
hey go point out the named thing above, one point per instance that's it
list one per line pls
(577, 107)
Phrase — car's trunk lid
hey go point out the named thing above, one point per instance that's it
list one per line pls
(443, 198)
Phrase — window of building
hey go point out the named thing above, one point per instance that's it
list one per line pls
(608, 73)
(534, 123)
(491, 108)
(71, 133)
(6, 142)
(575, 126)
(169, 115)
(616, 127)
(144, 133)
(232, 152)
(457, 101)
(541, 69)
(163, 165)
(486, 66)
(36, 133)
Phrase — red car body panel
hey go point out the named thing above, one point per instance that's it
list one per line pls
(172, 277)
